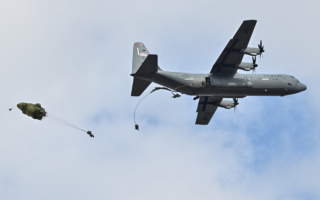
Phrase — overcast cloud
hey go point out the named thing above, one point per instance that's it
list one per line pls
(75, 57)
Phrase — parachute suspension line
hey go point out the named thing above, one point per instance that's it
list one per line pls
(175, 95)
(134, 114)
(69, 124)
(64, 122)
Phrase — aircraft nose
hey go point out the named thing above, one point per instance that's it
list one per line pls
(303, 87)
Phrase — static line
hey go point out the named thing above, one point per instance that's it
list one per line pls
(134, 114)
(64, 122)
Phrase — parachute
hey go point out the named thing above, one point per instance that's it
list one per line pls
(37, 112)
(32, 110)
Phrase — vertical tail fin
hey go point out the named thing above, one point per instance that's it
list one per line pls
(140, 52)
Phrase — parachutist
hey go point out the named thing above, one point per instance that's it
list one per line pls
(176, 95)
(202, 84)
(90, 134)
(10, 109)
(137, 127)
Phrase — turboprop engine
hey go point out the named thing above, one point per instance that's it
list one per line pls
(251, 51)
(254, 51)
(245, 66)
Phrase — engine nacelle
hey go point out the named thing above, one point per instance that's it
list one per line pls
(251, 51)
(225, 104)
(244, 66)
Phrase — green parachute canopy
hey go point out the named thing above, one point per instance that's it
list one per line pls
(32, 110)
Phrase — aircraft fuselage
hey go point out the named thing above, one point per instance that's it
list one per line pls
(229, 86)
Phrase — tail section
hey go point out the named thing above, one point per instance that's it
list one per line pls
(144, 65)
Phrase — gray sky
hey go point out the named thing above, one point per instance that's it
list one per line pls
(74, 57)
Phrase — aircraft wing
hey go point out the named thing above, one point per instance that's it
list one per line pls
(231, 54)
(206, 109)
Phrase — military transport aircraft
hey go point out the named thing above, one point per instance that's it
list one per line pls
(223, 81)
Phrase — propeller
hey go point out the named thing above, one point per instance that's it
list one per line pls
(261, 48)
(235, 101)
(254, 63)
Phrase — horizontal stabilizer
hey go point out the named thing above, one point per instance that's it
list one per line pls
(149, 66)
(139, 86)
(144, 66)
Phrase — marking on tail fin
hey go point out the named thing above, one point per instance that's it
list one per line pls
(143, 54)
(138, 50)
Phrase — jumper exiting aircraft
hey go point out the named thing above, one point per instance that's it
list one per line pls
(223, 81)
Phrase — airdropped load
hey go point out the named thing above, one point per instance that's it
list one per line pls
(37, 112)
